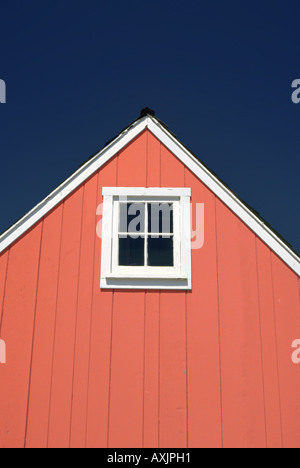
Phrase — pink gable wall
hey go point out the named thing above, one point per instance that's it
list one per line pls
(209, 367)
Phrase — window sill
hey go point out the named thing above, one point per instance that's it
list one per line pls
(171, 276)
(168, 282)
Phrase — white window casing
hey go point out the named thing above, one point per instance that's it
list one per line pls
(114, 276)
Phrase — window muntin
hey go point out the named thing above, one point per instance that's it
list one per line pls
(146, 234)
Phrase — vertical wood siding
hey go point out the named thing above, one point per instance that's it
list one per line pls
(209, 367)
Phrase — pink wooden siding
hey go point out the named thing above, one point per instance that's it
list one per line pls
(87, 367)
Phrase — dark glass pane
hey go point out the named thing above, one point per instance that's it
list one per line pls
(160, 217)
(132, 217)
(131, 251)
(160, 251)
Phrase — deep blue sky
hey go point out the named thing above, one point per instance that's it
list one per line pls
(217, 73)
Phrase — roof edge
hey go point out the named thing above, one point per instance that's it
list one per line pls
(161, 131)
(73, 182)
(225, 194)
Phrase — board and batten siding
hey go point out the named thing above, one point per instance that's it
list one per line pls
(87, 367)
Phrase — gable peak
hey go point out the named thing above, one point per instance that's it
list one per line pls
(147, 111)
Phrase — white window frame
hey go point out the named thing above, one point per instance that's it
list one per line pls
(114, 276)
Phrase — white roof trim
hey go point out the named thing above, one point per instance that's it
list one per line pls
(73, 182)
(212, 182)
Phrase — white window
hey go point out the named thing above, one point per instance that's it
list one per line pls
(146, 238)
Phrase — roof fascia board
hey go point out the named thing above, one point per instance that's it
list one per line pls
(222, 192)
(187, 158)
(73, 182)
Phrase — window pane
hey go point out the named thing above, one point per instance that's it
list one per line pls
(131, 251)
(132, 217)
(160, 251)
(160, 217)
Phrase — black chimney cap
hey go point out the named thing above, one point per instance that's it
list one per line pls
(147, 111)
